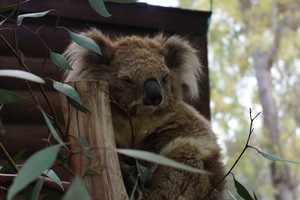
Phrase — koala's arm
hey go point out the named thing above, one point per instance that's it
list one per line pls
(169, 183)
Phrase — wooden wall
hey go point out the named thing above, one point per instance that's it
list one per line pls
(23, 122)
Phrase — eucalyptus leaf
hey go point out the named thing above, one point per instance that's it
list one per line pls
(7, 168)
(2, 130)
(85, 143)
(134, 190)
(85, 42)
(90, 171)
(275, 158)
(9, 97)
(158, 159)
(21, 74)
(122, 1)
(10, 7)
(40, 161)
(53, 176)
(143, 173)
(52, 129)
(67, 90)
(59, 60)
(77, 190)
(241, 190)
(99, 7)
(78, 106)
(37, 190)
(34, 15)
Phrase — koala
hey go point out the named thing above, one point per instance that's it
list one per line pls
(149, 78)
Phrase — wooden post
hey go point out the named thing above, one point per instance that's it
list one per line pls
(98, 129)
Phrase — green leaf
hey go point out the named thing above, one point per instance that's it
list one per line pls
(77, 190)
(90, 171)
(35, 15)
(2, 130)
(275, 158)
(85, 42)
(33, 168)
(7, 168)
(52, 129)
(143, 172)
(132, 197)
(122, 1)
(241, 190)
(59, 60)
(9, 97)
(99, 7)
(85, 143)
(53, 176)
(53, 195)
(21, 74)
(67, 90)
(158, 159)
(10, 7)
(78, 106)
(37, 190)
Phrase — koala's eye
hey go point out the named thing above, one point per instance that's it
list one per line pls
(166, 78)
(127, 80)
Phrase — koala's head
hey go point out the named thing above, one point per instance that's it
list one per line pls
(145, 75)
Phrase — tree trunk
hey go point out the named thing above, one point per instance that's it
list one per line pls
(97, 128)
(280, 173)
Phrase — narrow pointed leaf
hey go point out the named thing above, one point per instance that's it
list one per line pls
(53, 176)
(99, 7)
(59, 60)
(52, 129)
(122, 1)
(67, 90)
(143, 172)
(77, 190)
(85, 143)
(37, 189)
(9, 97)
(33, 168)
(78, 106)
(134, 190)
(2, 130)
(10, 7)
(21, 74)
(6, 168)
(275, 158)
(85, 42)
(241, 190)
(53, 195)
(158, 159)
(35, 15)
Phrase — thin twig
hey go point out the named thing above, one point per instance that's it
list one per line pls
(10, 161)
(251, 129)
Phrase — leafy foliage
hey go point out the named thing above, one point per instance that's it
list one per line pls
(77, 190)
(21, 74)
(9, 97)
(40, 161)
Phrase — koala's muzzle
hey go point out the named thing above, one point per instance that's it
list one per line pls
(153, 96)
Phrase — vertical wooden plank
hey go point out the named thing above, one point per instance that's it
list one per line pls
(98, 129)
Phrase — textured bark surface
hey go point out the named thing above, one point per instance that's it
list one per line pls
(97, 128)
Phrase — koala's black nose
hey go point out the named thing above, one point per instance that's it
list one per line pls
(153, 94)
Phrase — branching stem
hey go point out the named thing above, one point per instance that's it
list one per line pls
(251, 129)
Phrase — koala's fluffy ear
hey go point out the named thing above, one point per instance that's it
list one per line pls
(85, 63)
(182, 59)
